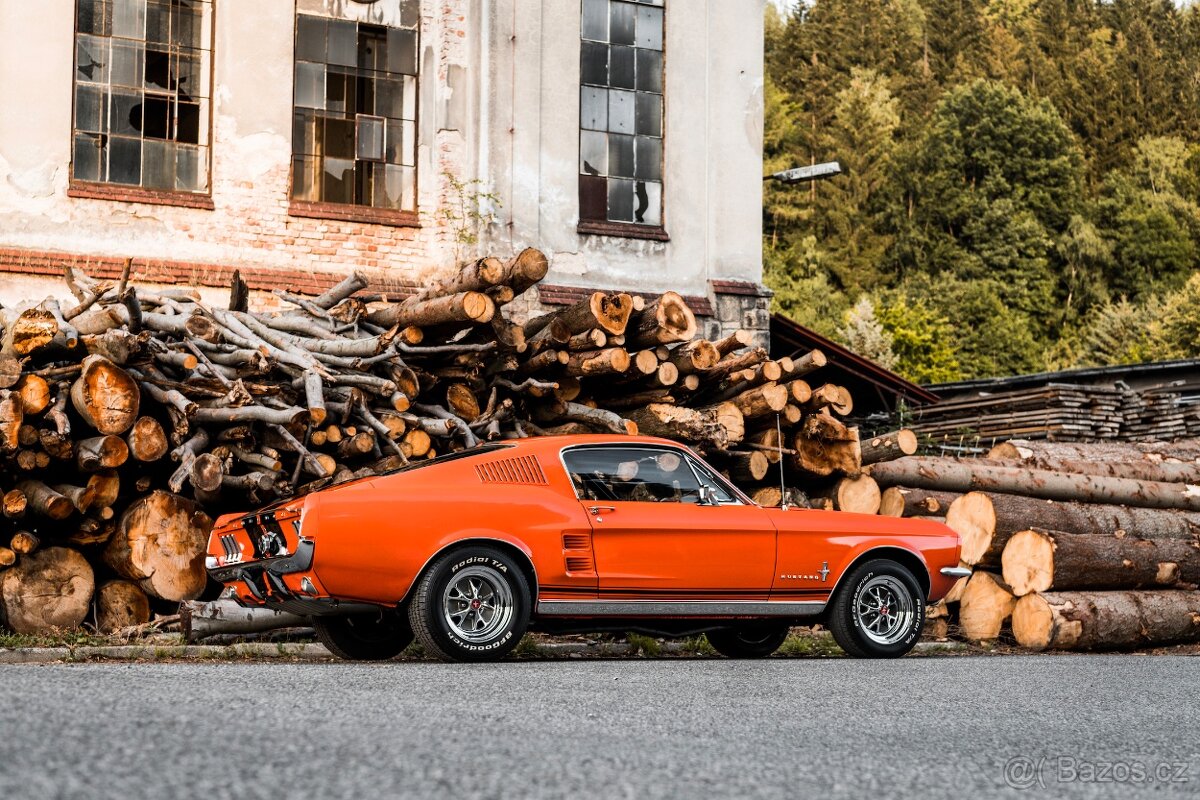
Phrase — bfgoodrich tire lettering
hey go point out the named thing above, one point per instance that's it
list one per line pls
(878, 612)
(364, 637)
(472, 604)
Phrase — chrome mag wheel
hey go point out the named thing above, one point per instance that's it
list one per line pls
(885, 609)
(477, 604)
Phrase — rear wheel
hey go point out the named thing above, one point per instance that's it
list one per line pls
(472, 604)
(748, 641)
(364, 637)
(879, 611)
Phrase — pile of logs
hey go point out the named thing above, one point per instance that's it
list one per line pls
(131, 417)
(1080, 546)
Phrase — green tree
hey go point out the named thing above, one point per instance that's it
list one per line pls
(922, 340)
(864, 334)
(1177, 335)
(1116, 333)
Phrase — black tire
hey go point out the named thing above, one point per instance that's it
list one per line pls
(452, 620)
(866, 629)
(364, 637)
(748, 641)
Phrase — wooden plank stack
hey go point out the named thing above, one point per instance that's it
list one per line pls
(1080, 546)
(132, 418)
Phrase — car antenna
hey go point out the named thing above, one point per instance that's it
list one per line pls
(783, 494)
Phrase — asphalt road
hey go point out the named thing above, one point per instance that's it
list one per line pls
(687, 728)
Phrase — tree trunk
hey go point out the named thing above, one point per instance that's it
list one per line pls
(34, 392)
(469, 307)
(121, 604)
(529, 267)
(1106, 620)
(766, 399)
(1186, 450)
(825, 457)
(809, 362)
(106, 396)
(477, 276)
(749, 467)
(1163, 472)
(147, 441)
(1041, 561)
(734, 341)
(987, 521)
(202, 620)
(614, 360)
(101, 452)
(11, 417)
(718, 426)
(29, 331)
(24, 543)
(13, 504)
(694, 356)
(889, 446)
(160, 543)
(898, 501)
(45, 501)
(859, 495)
(51, 588)
(668, 319)
(949, 475)
(608, 312)
(986, 603)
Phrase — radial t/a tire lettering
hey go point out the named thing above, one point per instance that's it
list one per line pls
(364, 637)
(878, 611)
(472, 604)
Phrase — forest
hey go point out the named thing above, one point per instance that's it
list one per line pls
(1021, 187)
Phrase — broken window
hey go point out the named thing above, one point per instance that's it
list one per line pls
(354, 133)
(621, 111)
(142, 71)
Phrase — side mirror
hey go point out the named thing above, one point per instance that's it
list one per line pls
(707, 496)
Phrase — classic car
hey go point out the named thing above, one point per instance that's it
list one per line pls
(468, 551)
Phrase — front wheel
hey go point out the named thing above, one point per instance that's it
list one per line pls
(879, 611)
(364, 637)
(472, 604)
(748, 641)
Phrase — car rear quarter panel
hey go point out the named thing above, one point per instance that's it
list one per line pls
(374, 537)
(808, 539)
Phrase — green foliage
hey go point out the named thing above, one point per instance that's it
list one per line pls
(1022, 179)
(1177, 334)
(864, 334)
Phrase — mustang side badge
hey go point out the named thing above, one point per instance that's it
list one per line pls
(821, 574)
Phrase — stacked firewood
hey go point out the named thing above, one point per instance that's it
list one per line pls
(131, 418)
(1080, 546)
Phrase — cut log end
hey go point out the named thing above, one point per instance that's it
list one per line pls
(973, 517)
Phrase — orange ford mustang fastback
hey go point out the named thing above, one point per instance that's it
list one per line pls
(578, 533)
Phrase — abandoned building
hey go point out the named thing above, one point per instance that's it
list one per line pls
(299, 140)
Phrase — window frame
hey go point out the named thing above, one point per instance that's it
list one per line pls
(739, 497)
(352, 212)
(126, 193)
(616, 228)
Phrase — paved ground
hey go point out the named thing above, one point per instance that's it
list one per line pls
(940, 727)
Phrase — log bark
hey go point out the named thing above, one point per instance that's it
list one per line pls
(467, 307)
(823, 457)
(476, 276)
(1187, 450)
(1041, 561)
(529, 267)
(24, 542)
(202, 620)
(949, 475)
(160, 544)
(106, 396)
(767, 399)
(718, 426)
(599, 310)
(13, 504)
(101, 452)
(11, 418)
(49, 589)
(121, 604)
(1120, 620)
(663, 321)
(28, 331)
(901, 501)
(889, 446)
(986, 521)
(45, 501)
(750, 467)
(733, 363)
(734, 341)
(614, 360)
(694, 356)
(803, 365)
(985, 605)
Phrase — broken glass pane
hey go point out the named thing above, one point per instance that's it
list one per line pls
(648, 159)
(401, 51)
(364, 94)
(369, 141)
(304, 179)
(129, 19)
(648, 207)
(593, 198)
(364, 183)
(337, 180)
(649, 71)
(125, 160)
(92, 56)
(188, 128)
(304, 131)
(158, 23)
(86, 158)
(621, 23)
(342, 43)
(389, 98)
(620, 200)
(372, 47)
(594, 25)
(593, 153)
(593, 108)
(649, 114)
(89, 108)
(620, 111)
(187, 25)
(158, 164)
(158, 68)
(593, 64)
(187, 74)
(620, 68)
(620, 156)
(93, 16)
(156, 117)
(127, 62)
(339, 92)
(191, 168)
(650, 28)
(125, 113)
(311, 33)
(400, 187)
(310, 85)
(339, 138)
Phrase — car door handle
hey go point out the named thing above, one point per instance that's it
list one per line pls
(596, 511)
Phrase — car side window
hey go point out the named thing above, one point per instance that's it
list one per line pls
(720, 490)
(636, 474)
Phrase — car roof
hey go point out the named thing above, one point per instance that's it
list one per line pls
(547, 444)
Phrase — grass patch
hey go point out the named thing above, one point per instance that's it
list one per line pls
(697, 646)
(76, 638)
(809, 645)
(643, 645)
(528, 647)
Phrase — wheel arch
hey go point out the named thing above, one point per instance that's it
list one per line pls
(906, 558)
(517, 550)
